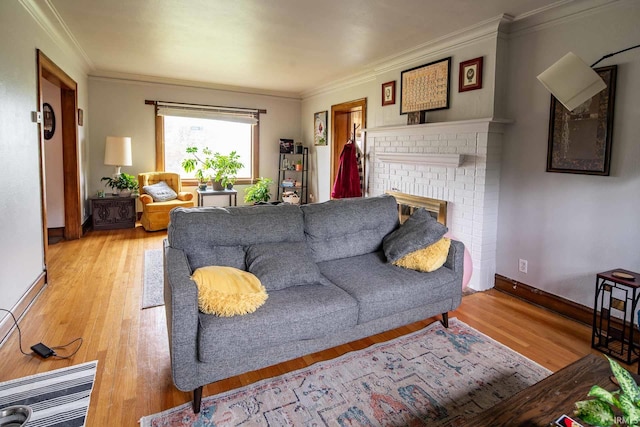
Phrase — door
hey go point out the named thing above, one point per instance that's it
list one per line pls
(343, 118)
(67, 124)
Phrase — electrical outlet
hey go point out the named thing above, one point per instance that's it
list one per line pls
(523, 265)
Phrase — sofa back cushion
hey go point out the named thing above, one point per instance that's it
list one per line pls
(220, 236)
(348, 227)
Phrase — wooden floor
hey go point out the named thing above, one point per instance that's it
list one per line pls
(95, 292)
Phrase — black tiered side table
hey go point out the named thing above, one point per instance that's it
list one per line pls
(614, 312)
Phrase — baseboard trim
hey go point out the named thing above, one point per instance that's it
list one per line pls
(544, 299)
(20, 308)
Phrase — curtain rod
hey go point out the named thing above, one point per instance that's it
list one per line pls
(195, 106)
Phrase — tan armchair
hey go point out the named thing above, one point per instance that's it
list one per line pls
(155, 215)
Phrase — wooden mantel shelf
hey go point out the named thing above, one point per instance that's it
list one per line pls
(433, 159)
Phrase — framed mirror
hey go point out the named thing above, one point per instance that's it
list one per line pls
(49, 121)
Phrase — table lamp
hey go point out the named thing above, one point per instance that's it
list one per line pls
(117, 152)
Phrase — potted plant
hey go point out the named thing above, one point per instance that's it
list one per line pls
(258, 192)
(202, 166)
(122, 184)
(226, 168)
(298, 165)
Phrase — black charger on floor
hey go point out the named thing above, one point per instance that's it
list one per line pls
(42, 350)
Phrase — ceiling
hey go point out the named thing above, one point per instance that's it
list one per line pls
(287, 46)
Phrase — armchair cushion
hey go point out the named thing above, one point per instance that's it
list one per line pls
(185, 196)
(160, 191)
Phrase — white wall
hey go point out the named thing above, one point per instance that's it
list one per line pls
(570, 227)
(53, 159)
(465, 105)
(118, 108)
(21, 244)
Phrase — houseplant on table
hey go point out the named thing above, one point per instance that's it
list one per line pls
(258, 192)
(202, 166)
(226, 168)
(122, 184)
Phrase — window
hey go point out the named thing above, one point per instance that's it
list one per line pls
(220, 129)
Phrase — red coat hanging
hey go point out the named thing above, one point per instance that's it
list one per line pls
(347, 182)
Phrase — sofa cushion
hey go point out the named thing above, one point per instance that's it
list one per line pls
(426, 259)
(280, 265)
(160, 192)
(199, 232)
(382, 289)
(417, 232)
(347, 227)
(227, 291)
(291, 314)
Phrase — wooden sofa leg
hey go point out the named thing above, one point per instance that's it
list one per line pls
(445, 320)
(197, 399)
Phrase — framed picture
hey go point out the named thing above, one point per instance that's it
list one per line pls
(425, 88)
(389, 93)
(320, 128)
(286, 146)
(580, 140)
(470, 76)
(49, 121)
(80, 117)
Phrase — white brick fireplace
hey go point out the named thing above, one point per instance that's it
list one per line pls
(454, 161)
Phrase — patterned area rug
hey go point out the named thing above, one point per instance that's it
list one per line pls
(57, 398)
(153, 286)
(434, 377)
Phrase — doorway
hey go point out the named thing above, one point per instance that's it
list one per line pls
(343, 118)
(66, 124)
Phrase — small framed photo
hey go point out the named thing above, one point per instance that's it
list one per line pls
(470, 76)
(389, 93)
(320, 128)
(286, 146)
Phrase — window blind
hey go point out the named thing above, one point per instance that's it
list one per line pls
(237, 115)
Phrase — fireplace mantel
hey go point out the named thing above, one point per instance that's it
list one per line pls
(435, 159)
(460, 126)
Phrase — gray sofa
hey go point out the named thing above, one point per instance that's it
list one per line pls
(357, 294)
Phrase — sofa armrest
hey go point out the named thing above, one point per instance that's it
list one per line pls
(455, 258)
(181, 306)
(185, 196)
(145, 199)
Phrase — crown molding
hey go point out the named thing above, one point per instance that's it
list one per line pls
(481, 31)
(422, 53)
(51, 22)
(558, 13)
(141, 79)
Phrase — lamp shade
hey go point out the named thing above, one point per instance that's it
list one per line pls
(117, 151)
(571, 81)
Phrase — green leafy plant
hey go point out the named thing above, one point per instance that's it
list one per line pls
(258, 192)
(599, 411)
(202, 165)
(121, 182)
(226, 167)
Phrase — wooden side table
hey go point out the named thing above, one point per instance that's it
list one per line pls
(616, 304)
(113, 212)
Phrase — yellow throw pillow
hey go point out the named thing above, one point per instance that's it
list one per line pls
(426, 259)
(227, 291)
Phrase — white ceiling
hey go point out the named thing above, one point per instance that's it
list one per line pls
(275, 45)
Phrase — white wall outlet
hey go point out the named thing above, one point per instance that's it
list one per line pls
(523, 265)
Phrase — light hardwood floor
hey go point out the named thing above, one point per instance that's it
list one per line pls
(95, 293)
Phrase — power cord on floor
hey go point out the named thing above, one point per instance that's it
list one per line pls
(40, 349)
